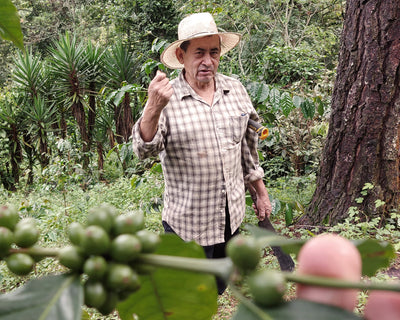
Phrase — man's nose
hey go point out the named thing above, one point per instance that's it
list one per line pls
(207, 59)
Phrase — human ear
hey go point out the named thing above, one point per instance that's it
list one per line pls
(179, 54)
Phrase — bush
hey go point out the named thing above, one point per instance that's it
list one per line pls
(285, 65)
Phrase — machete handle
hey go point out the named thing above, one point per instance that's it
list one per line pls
(260, 129)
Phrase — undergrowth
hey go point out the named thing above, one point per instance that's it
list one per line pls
(55, 207)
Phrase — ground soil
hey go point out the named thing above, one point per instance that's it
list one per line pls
(394, 269)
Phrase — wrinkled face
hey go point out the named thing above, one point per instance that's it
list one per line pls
(200, 60)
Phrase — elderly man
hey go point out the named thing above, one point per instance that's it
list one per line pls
(197, 124)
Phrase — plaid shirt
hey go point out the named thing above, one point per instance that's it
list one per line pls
(207, 155)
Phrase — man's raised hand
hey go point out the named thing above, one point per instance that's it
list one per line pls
(160, 91)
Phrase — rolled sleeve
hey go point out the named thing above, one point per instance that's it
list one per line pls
(254, 175)
(252, 170)
(145, 149)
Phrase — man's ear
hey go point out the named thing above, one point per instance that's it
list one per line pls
(179, 54)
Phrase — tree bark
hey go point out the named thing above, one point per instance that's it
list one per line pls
(92, 110)
(363, 140)
(119, 124)
(100, 160)
(128, 118)
(15, 156)
(79, 114)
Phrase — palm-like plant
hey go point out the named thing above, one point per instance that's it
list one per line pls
(121, 70)
(28, 73)
(32, 85)
(69, 67)
(39, 119)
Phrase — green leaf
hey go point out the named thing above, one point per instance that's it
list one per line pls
(298, 310)
(258, 91)
(288, 214)
(297, 101)
(10, 28)
(269, 117)
(156, 168)
(274, 98)
(375, 255)
(286, 103)
(308, 109)
(262, 93)
(173, 294)
(320, 105)
(50, 298)
(276, 207)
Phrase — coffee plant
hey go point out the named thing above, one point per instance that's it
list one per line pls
(113, 263)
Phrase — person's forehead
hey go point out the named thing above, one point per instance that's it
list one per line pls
(205, 42)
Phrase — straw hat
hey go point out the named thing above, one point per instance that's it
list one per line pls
(196, 26)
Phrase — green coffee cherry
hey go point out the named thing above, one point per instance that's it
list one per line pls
(95, 267)
(125, 248)
(95, 241)
(112, 211)
(75, 233)
(71, 257)
(9, 216)
(26, 233)
(6, 240)
(244, 252)
(100, 216)
(267, 287)
(149, 240)
(119, 277)
(20, 263)
(130, 223)
(95, 294)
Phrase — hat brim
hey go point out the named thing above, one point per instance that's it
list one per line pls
(229, 40)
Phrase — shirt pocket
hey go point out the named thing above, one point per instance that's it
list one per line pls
(239, 126)
(233, 130)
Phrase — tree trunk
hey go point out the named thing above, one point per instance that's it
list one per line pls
(44, 151)
(100, 160)
(30, 154)
(128, 118)
(119, 124)
(362, 145)
(92, 109)
(63, 126)
(15, 155)
(80, 117)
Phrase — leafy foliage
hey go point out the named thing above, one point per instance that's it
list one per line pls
(10, 28)
(44, 299)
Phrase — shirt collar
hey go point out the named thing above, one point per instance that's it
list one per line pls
(185, 90)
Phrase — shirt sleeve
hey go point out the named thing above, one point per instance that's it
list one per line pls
(252, 170)
(152, 148)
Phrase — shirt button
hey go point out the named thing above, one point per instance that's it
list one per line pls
(223, 191)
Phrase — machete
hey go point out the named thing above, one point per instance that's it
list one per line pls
(285, 260)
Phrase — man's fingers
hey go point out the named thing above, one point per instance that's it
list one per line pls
(159, 74)
(160, 77)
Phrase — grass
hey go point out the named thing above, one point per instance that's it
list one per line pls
(55, 206)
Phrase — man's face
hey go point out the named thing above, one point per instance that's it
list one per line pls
(201, 59)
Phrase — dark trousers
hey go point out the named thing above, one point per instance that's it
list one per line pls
(217, 250)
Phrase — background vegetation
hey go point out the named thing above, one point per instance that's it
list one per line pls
(68, 103)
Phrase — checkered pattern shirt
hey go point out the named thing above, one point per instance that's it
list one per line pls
(207, 155)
